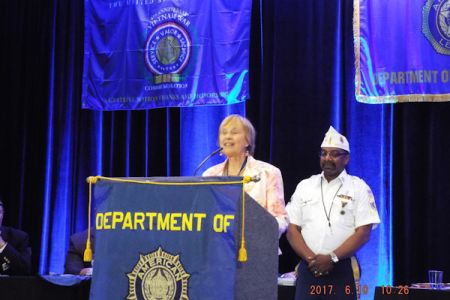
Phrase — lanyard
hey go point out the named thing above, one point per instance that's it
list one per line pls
(225, 172)
(328, 215)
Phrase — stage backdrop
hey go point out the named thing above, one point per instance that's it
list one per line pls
(302, 80)
(402, 51)
(148, 54)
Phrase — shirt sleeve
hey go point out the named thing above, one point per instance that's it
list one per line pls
(293, 208)
(366, 211)
(74, 260)
(275, 199)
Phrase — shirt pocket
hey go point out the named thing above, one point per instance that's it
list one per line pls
(345, 211)
(310, 208)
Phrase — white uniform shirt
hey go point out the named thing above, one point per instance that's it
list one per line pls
(352, 205)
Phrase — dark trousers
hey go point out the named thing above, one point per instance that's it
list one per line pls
(339, 284)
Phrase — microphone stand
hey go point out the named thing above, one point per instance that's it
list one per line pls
(206, 159)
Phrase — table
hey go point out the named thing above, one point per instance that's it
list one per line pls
(286, 292)
(36, 288)
(402, 293)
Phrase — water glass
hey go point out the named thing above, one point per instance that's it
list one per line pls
(435, 278)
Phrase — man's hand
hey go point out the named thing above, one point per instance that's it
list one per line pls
(320, 265)
(2, 242)
(86, 272)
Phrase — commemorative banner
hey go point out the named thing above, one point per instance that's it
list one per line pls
(165, 240)
(402, 51)
(170, 53)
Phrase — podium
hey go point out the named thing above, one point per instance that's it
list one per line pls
(179, 237)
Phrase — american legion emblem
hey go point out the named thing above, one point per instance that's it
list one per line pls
(436, 24)
(158, 275)
(168, 45)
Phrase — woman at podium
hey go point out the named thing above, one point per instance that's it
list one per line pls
(237, 140)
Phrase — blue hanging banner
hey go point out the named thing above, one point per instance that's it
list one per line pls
(150, 54)
(166, 240)
(402, 51)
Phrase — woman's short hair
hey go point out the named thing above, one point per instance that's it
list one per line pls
(250, 133)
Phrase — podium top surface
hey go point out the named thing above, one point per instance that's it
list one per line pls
(178, 179)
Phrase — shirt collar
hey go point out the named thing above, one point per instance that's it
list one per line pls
(341, 177)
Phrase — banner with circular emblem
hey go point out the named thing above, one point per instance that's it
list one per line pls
(402, 51)
(168, 239)
(150, 54)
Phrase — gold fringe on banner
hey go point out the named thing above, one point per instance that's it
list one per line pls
(242, 255)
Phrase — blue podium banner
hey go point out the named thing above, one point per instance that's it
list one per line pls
(165, 241)
(402, 50)
(150, 54)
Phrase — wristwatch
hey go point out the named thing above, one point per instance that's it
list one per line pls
(334, 257)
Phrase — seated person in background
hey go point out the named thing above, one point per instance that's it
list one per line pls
(15, 250)
(74, 260)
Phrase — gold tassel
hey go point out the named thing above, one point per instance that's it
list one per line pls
(242, 253)
(87, 257)
(242, 256)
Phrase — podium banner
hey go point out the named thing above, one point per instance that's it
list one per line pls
(165, 241)
(150, 54)
(402, 51)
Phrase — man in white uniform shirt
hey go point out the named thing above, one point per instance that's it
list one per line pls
(331, 217)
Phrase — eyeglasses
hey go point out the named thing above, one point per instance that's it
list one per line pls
(332, 154)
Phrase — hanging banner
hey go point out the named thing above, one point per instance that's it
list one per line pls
(150, 54)
(165, 240)
(402, 51)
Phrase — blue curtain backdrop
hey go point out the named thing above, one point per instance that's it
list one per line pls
(301, 80)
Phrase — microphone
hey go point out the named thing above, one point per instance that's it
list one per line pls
(206, 159)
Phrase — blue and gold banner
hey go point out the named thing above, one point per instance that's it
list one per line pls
(165, 240)
(402, 50)
(147, 54)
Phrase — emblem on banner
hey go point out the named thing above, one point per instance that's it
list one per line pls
(168, 45)
(436, 24)
(158, 275)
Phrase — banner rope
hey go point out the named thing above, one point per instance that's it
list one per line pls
(87, 255)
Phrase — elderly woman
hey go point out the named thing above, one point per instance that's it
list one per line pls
(237, 140)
